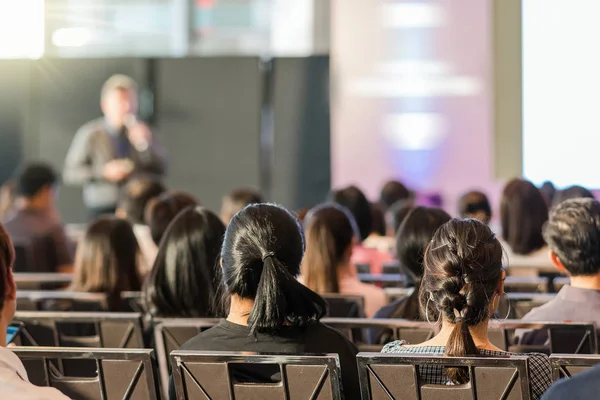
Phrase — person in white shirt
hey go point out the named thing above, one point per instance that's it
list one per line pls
(14, 383)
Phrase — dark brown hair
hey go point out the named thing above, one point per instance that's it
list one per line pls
(523, 213)
(7, 259)
(463, 269)
(329, 232)
(107, 261)
(163, 209)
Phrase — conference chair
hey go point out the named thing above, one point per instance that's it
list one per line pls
(344, 305)
(403, 376)
(38, 281)
(57, 300)
(126, 374)
(384, 280)
(229, 375)
(170, 334)
(525, 284)
(568, 365)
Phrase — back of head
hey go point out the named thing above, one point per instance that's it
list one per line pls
(356, 202)
(572, 192)
(118, 82)
(476, 205)
(548, 192)
(573, 234)
(523, 213)
(161, 210)
(237, 200)
(330, 231)
(393, 192)
(135, 197)
(186, 276)
(107, 260)
(379, 225)
(397, 213)
(7, 259)
(261, 256)
(412, 239)
(34, 177)
(462, 275)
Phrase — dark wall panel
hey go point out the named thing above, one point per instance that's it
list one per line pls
(301, 176)
(208, 112)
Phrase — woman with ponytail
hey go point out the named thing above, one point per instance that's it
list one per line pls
(331, 234)
(461, 287)
(270, 311)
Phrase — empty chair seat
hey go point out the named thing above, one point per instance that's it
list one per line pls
(126, 374)
(404, 376)
(243, 376)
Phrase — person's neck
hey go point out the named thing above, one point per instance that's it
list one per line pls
(33, 203)
(239, 310)
(3, 329)
(479, 333)
(586, 281)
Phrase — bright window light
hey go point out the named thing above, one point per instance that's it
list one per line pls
(21, 29)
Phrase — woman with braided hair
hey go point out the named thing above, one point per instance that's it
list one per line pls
(462, 284)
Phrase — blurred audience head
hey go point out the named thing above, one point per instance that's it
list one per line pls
(161, 210)
(412, 239)
(8, 288)
(396, 214)
(356, 202)
(119, 100)
(572, 192)
(235, 202)
(573, 236)
(379, 226)
(107, 260)
(186, 276)
(462, 283)
(135, 196)
(8, 197)
(36, 185)
(330, 235)
(261, 256)
(548, 192)
(523, 213)
(393, 192)
(475, 205)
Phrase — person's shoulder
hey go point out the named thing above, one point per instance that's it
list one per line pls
(215, 338)
(397, 346)
(546, 311)
(327, 334)
(91, 128)
(582, 386)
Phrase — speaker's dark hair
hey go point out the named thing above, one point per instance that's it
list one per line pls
(261, 256)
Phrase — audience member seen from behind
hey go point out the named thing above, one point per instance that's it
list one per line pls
(393, 192)
(462, 284)
(365, 252)
(35, 226)
(8, 198)
(548, 192)
(573, 236)
(414, 235)
(395, 216)
(583, 386)
(163, 209)
(235, 202)
(475, 205)
(379, 239)
(185, 279)
(326, 268)
(523, 213)
(270, 310)
(107, 262)
(14, 382)
(572, 192)
(134, 198)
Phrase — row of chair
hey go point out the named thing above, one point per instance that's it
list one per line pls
(128, 374)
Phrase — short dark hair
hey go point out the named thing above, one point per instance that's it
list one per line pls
(572, 192)
(523, 213)
(397, 212)
(7, 259)
(392, 192)
(186, 276)
(356, 202)
(235, 201)
(136, 194)
(379, 225)
(573, 234)
(261, 257)
(34, 177)
(163, 209)
(474, 202)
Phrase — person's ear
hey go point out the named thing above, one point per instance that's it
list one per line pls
(556, 262)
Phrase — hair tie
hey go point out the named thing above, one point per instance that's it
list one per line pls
(267, 255)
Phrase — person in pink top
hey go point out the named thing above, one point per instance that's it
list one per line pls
(330, 238)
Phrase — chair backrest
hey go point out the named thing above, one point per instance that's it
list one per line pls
(563, 337)
(34, 280)
(171, 334)
(526, 284)
(120, 374)
(403, 376)
(344, 306)
(228, 375)
(385, 280)
(568, 365)
(81, 329)
(37, 300)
